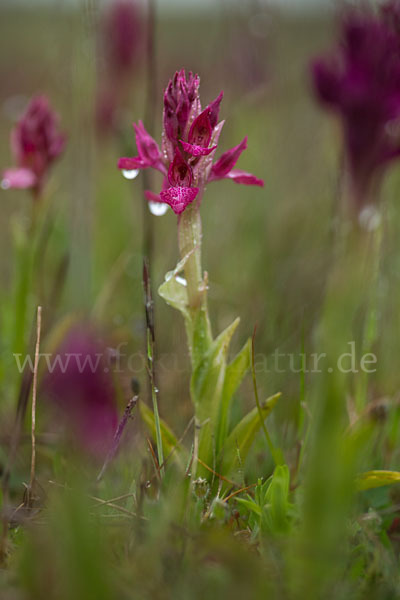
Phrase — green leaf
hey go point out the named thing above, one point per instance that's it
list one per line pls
(173, 290)
(241, 438)
(234, 374)
(276, 518)
(169, 440)
(250, 505)
(207, 387)
(174, 293)
(374, 479)
(201, 338)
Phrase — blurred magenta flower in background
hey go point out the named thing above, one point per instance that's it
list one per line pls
(80, 386)
(120, 45)
(361, 82)
(189, 140)
(35, 143)
(122, 32)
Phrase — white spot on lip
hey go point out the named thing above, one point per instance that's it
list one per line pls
(5, 184)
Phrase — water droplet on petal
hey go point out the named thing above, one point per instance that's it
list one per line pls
(370, 218)
(5, 184)
(131, 174)
(181, 280)
(158, 208)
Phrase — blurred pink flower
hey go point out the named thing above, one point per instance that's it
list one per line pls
(80, 386)
(361, 83)
(119, 46)
(189, 141)
(122, 34)
(35, 142)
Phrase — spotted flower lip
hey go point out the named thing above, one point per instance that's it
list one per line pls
(361, 83)
(189, 142)
(36, 143)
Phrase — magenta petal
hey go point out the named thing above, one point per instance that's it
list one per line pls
(195, 150)
(213, 110)
(239, 176)
(129, 164)
(179, 172)
(201, 130)
(227, 161)
(148, 149)
(327, 82)
(18, 179)
(152, 197)
(179, 197)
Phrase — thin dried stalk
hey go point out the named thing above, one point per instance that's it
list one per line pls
(34, 395)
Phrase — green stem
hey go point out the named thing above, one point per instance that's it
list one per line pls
(370, 325)
(198, 326)
(189, 237)
(24, 242)
(150, 357)
(274, 451)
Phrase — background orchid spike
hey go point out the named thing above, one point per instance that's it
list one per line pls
(122, 34)
(81, 390)
(189, 141)
(120, 51)
(35, 142)
(361, 82)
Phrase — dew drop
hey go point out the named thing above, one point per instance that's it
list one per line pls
(158, 208)
(181, 280)
(131, 174)
(370, 218)
(5, 184)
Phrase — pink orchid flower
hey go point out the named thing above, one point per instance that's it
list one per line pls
(35, 142)
(189, 142)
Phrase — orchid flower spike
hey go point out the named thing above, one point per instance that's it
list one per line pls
(35, 142)
(122, 34)
(361, 83)
(189, 142)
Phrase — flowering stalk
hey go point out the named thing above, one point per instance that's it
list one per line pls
(186, 161)
(361, 84)
(120, 49)
(198, 325)
(36, 143)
